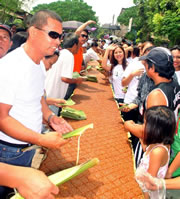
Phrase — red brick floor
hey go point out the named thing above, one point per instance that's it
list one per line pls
(113, 177)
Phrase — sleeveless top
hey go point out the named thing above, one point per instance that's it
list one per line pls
(145, 161)
(171, 92)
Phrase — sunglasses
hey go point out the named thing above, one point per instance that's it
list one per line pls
(52, 34)
(86, 36)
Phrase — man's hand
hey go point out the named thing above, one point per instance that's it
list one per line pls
(35, 184)
(60, 125)
(91, 21)
(52, 140)
(55, 101)
(138, 72)
(79, 80)
(111, 47)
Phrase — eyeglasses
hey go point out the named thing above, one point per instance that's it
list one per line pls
(52, 34)
(86, 36)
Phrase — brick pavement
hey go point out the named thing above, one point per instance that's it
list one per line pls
(113, 177)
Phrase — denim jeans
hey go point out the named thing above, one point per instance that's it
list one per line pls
(14, 156)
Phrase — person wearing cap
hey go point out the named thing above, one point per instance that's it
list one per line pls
(159, 67)
(5, 39)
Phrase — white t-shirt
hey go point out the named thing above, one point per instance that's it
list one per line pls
(90, 54)
(178, 76)
(117, 74)
(54, 86)
(22, 86)
(132, 87)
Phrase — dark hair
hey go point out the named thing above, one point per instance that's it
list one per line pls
(145, 43)
(94, 44)
(40, 18)
(160, 125)
(114, 62)
(18, 39)
(85, 30)
(176, 47)
(56, 52)
(69, 40)
(163, 71)
(148, 49)
(136, 51)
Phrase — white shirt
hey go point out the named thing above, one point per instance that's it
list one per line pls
(22, 86)
(90, 54)
(132, 87)
(178, 76)
(54, 86)
(117, 74)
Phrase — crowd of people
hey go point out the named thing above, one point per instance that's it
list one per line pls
(36, 76)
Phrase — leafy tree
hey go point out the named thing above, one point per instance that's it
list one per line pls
(7, 8)
(127, 14)
(10, 8)
(70, 10)
(155, 19)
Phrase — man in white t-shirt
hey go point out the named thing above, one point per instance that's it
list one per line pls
(22, 103)
(91, 53)
(7, 171)
(60, 75)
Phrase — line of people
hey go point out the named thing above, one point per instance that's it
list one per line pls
(153, 85)
(143, 88)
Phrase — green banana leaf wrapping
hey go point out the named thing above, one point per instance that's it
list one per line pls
(75, 75)
(88, 67)
(68, 102)
(99, 68)
(73, 113)
(78, 131)
(91, 78)
(67, 174)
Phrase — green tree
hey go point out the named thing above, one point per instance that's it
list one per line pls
(9, 9)
(127, 14)
(159, 19)
(70, 10)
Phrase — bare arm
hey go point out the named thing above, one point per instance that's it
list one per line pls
(156, 98)
(158, 158)
(32, 184)
(58, 124)
(127, 80)
(72, 81)
(135, 129)
(174, 166)
(106, 55)
(173, 183)
(55, 101)
(83, 26)
(45, 109)
(14, 128)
